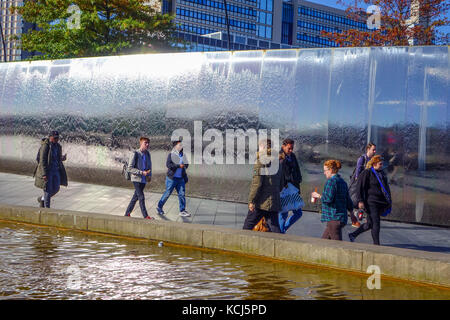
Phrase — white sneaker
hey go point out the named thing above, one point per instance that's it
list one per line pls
(185, 214)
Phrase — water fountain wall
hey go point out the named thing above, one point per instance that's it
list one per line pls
(330, 101)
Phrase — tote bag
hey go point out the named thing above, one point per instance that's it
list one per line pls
(290, 199)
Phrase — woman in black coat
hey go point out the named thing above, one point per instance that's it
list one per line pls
(372, 198)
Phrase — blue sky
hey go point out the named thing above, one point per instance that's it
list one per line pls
(333, 3)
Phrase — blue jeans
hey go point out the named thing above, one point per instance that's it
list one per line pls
(285, 225)
(180, 186)
(52, 188)
(138, 195)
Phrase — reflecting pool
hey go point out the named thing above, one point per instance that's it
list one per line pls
(48, 263)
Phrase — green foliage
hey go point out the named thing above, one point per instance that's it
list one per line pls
(106, 27)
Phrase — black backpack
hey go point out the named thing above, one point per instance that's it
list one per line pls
(125, 173)
(352, 186)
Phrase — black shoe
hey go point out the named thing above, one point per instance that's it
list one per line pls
(41, 202)
(351, 237)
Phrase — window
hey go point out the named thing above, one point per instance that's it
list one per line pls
(269, 5)
(262, 31)
(269, 19)
(262, 4)
(262, 18)
(269, 32)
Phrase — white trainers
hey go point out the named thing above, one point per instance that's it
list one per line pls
(185, 214)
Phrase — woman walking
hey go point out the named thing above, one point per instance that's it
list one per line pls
(374, 196)
(335, 201)
(264, 198)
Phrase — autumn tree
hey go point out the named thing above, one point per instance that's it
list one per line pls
(402, 23)
(80, 28)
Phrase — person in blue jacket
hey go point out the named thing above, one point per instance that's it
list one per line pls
(176, 178)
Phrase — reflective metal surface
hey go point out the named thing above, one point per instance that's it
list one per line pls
(331, 101)
(47, 263)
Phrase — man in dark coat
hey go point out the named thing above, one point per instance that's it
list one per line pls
(50, 173)
(291, 174)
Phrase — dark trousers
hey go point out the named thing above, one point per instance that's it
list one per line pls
(138, 195)
(52, 188)
(253, 218)
(373, 223)
(333, 230)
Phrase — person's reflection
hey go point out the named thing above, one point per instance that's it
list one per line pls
(393, 160)
(266, 285)
(43, 260)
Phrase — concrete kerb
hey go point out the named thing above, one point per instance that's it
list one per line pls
(403, 264)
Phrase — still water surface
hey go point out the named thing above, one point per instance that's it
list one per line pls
(48, 263)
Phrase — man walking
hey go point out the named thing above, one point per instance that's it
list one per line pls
(140, 169)
(176, 178)
(371, 150)
(292, 174)
(50, 173)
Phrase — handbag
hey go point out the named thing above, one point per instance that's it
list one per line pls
(261, 226)
(290, 199)
(385, 193)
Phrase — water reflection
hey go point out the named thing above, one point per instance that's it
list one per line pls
(36, 264)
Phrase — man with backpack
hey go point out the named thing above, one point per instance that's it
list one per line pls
(371, 150)
(50, 173)
(139, 171)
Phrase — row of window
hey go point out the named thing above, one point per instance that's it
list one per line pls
(215, 19)
(249, 11)
(265, 5)
(330, 17)
(265, 32)
(194, 29)
(316, 27)
(316, 39)
(265, 18)
(203, 42)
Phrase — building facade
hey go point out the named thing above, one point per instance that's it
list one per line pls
(257, 24)
(11, 25)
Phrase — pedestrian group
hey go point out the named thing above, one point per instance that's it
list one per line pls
(368, 196)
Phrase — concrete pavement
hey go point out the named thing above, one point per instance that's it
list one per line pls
(20, 190)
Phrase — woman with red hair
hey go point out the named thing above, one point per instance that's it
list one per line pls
(335, 201)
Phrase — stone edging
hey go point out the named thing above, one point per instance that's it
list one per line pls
(404, 264)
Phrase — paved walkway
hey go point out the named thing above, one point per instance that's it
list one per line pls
(20, 190)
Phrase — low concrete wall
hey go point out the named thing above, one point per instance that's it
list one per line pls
(411, 265)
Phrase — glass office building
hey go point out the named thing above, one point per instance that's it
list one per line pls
(11, 25)
(312, 19)
(256, 24)
(250, 21)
